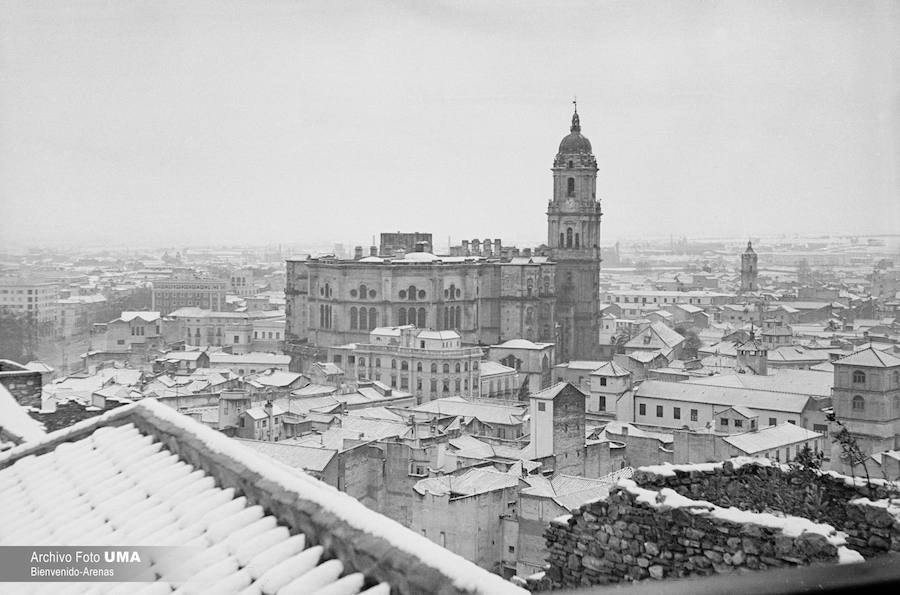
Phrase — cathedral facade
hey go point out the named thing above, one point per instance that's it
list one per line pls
(549, 294)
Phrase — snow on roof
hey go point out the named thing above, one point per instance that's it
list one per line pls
(14, 420)
(277, 378)
(440, 335)
(645, 356)
(328, 368)
(36, 366)
(186, 356)
(371, 259)
(581, 365)
(258, 413)
(132, 476)
(254, 357)
(770, 438)
(145, 316)
(869, 358)
(314, 390)
(522, 344)
(610, 369)
(308, 458)
(490, 368)
(470, 483)
(797, 382)
(487, 413)
(418, 257)
(620, 429)
(196, 506)
(661, 336)
(551, 392)
(689, 391)
(571, 491)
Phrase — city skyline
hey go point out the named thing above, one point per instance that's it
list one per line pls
(187, 125)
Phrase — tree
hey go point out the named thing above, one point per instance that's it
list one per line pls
(692, 341)
(850, 449)
(18, 337)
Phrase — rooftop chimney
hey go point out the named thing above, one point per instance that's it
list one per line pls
(357, 253)
(373, 250)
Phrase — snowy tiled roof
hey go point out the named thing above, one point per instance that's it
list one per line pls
(770, 438)
(472, 482)
(871, 358)
(145, 316)
(690, 392)
(488, 413)
(489, 368)
(258, 524)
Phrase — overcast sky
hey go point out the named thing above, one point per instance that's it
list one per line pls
(264, 122)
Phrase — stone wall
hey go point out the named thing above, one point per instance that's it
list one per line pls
(636, 533)
(759, 485)
(24, 384)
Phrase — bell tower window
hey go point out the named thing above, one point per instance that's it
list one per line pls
(570, 190)
(569, 237)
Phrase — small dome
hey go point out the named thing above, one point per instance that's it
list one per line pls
(574, 142)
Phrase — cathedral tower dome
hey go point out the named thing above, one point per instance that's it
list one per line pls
(574, 142)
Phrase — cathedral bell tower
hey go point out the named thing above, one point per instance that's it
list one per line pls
(573, 235)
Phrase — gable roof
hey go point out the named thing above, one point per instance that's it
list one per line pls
(770, 437)
(691, 392)
(868, 357)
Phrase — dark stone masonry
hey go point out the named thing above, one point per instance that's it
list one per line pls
(736, 516)
(757, 485)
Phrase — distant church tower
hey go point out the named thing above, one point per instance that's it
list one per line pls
(749, 269)
(573, 235)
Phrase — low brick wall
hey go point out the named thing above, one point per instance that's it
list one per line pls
(760, 485)
(636, 534)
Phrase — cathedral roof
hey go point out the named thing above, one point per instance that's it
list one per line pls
(574, 142)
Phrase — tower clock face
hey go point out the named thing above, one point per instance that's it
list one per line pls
(570, 203)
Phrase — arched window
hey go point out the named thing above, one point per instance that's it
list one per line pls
(457, 368)
(411, 293)
(446, 368)
(530, 287)
(411, 316)
(475, 365)
(322, 315)
(570, 188)
(568, 237)
(433, 368)
(421, 318)
(373, 318)
(859, 404)
(393, 363)
(377, 362)
(363, 319)
(418, 366)
(859, 377)
(577, 241)
(458, 384)
(401, 317)
(363, 290)
(354, 318)
(562, 239)
(446, 386)
(361, 361)
(404, 366)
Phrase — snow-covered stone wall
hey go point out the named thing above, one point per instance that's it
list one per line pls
(637, 533)
(865, 513)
